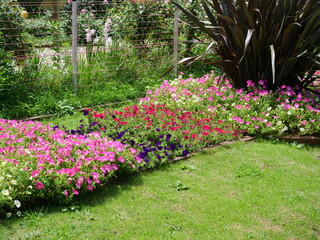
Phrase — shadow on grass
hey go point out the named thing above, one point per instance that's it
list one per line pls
(113, 188)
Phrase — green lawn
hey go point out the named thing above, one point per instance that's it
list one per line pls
(246, 190)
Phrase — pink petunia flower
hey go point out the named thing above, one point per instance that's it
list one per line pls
(35, 173)
(39, 185)
(66, 193)
(75, 192)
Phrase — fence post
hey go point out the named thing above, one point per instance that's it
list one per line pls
(74, 49)
(176, 41)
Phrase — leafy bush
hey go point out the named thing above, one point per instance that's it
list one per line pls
(31, 6)
(8, 74)
(142, 22)
(12, 29)
(277, 40)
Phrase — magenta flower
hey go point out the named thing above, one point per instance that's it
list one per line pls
(88, 180)
(39, 185)
(35, 173)
(66, 193)
(239, 106)
(75, 192)
(250, 83)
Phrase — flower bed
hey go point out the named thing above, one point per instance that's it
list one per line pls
(39, 162)
(258, 111)
(181, 116)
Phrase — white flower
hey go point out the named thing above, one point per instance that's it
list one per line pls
(284, 129)
(5, 192)
(9, 214)
(89, 34)
(107, 28)
(17, 203)
(289, 113)
(14, 182)
(269, 109)
(19, 214)
(317, 99)
(302, 129)
(279, 122)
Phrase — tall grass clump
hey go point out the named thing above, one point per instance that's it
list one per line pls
(274, 40)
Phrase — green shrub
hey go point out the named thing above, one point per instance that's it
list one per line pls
(142, 22)
(8, 74)
(12, 28)
(277, 40)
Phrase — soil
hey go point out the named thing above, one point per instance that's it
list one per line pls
(312, 140)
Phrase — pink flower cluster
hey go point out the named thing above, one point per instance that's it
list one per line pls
(57, 162)
(285, 110)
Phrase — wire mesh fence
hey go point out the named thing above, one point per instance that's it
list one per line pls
(111, 38)
(96, 49)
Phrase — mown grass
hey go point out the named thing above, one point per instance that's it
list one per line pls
(246, 190)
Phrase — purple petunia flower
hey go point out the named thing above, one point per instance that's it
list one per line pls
(168, 137)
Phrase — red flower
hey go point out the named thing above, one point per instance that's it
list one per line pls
(205, 133)
(98, 115)
(206, 127)
(220, 131)
(123, 123)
